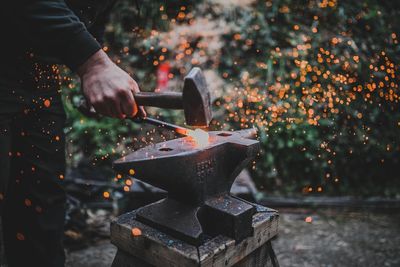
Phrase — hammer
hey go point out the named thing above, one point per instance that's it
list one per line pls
(194, 100)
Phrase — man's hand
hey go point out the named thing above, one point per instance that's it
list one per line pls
(109, 89)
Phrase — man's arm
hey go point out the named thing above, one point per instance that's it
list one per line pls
(99, 26)
(52, 28)
(107, 87)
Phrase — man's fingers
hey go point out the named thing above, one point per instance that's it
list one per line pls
(100, 109)
(118, 102)
(128, 105)
(108, 110)
(104, 107)
(117, 110)
(142, 112)
(135, 87)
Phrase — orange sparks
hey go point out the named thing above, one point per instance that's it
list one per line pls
(200, 137)
(136, 231)
(28, 202)
(106, 194)
(20, 237)
(182, 131)
(46, 103)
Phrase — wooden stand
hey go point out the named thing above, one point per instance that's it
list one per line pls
(154, 248)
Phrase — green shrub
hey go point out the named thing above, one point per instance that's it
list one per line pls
(318, 78)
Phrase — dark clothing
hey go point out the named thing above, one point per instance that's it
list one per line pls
(32, 158)
(58, 31)
(37, 34)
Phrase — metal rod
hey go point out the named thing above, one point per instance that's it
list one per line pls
(91, 113)
(178, 129)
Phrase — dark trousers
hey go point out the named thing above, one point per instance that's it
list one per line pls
(32, 165)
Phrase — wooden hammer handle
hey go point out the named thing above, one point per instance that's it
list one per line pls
(170, 100)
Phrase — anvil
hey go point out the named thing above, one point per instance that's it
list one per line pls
(198, 180)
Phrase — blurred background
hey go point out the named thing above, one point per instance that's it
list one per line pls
(320, 81)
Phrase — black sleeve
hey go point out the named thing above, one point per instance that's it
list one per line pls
(99, 26)
(52, 28)
(98, 30)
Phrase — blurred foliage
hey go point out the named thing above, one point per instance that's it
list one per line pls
(321, 82)
(318, 78)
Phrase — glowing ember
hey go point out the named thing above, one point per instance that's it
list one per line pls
(200, 137)
(20, 237)
(47, 103)
(28, 202)
(136, 232)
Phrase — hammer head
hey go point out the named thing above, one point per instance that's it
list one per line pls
(196, 99)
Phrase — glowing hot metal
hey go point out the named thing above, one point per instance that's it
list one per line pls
(200, 137)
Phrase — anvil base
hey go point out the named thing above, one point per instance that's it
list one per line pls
(156, 248)
(223, 214)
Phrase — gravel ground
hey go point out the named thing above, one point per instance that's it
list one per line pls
(99, 255)
(308, 238)
(338, 239)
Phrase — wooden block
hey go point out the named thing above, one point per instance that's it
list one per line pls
(124, 259)
(261, 257)
(152, 245)
(158, 249)
(222, 251)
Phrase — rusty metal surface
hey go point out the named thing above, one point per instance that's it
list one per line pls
(188, 172)
(198, 180)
